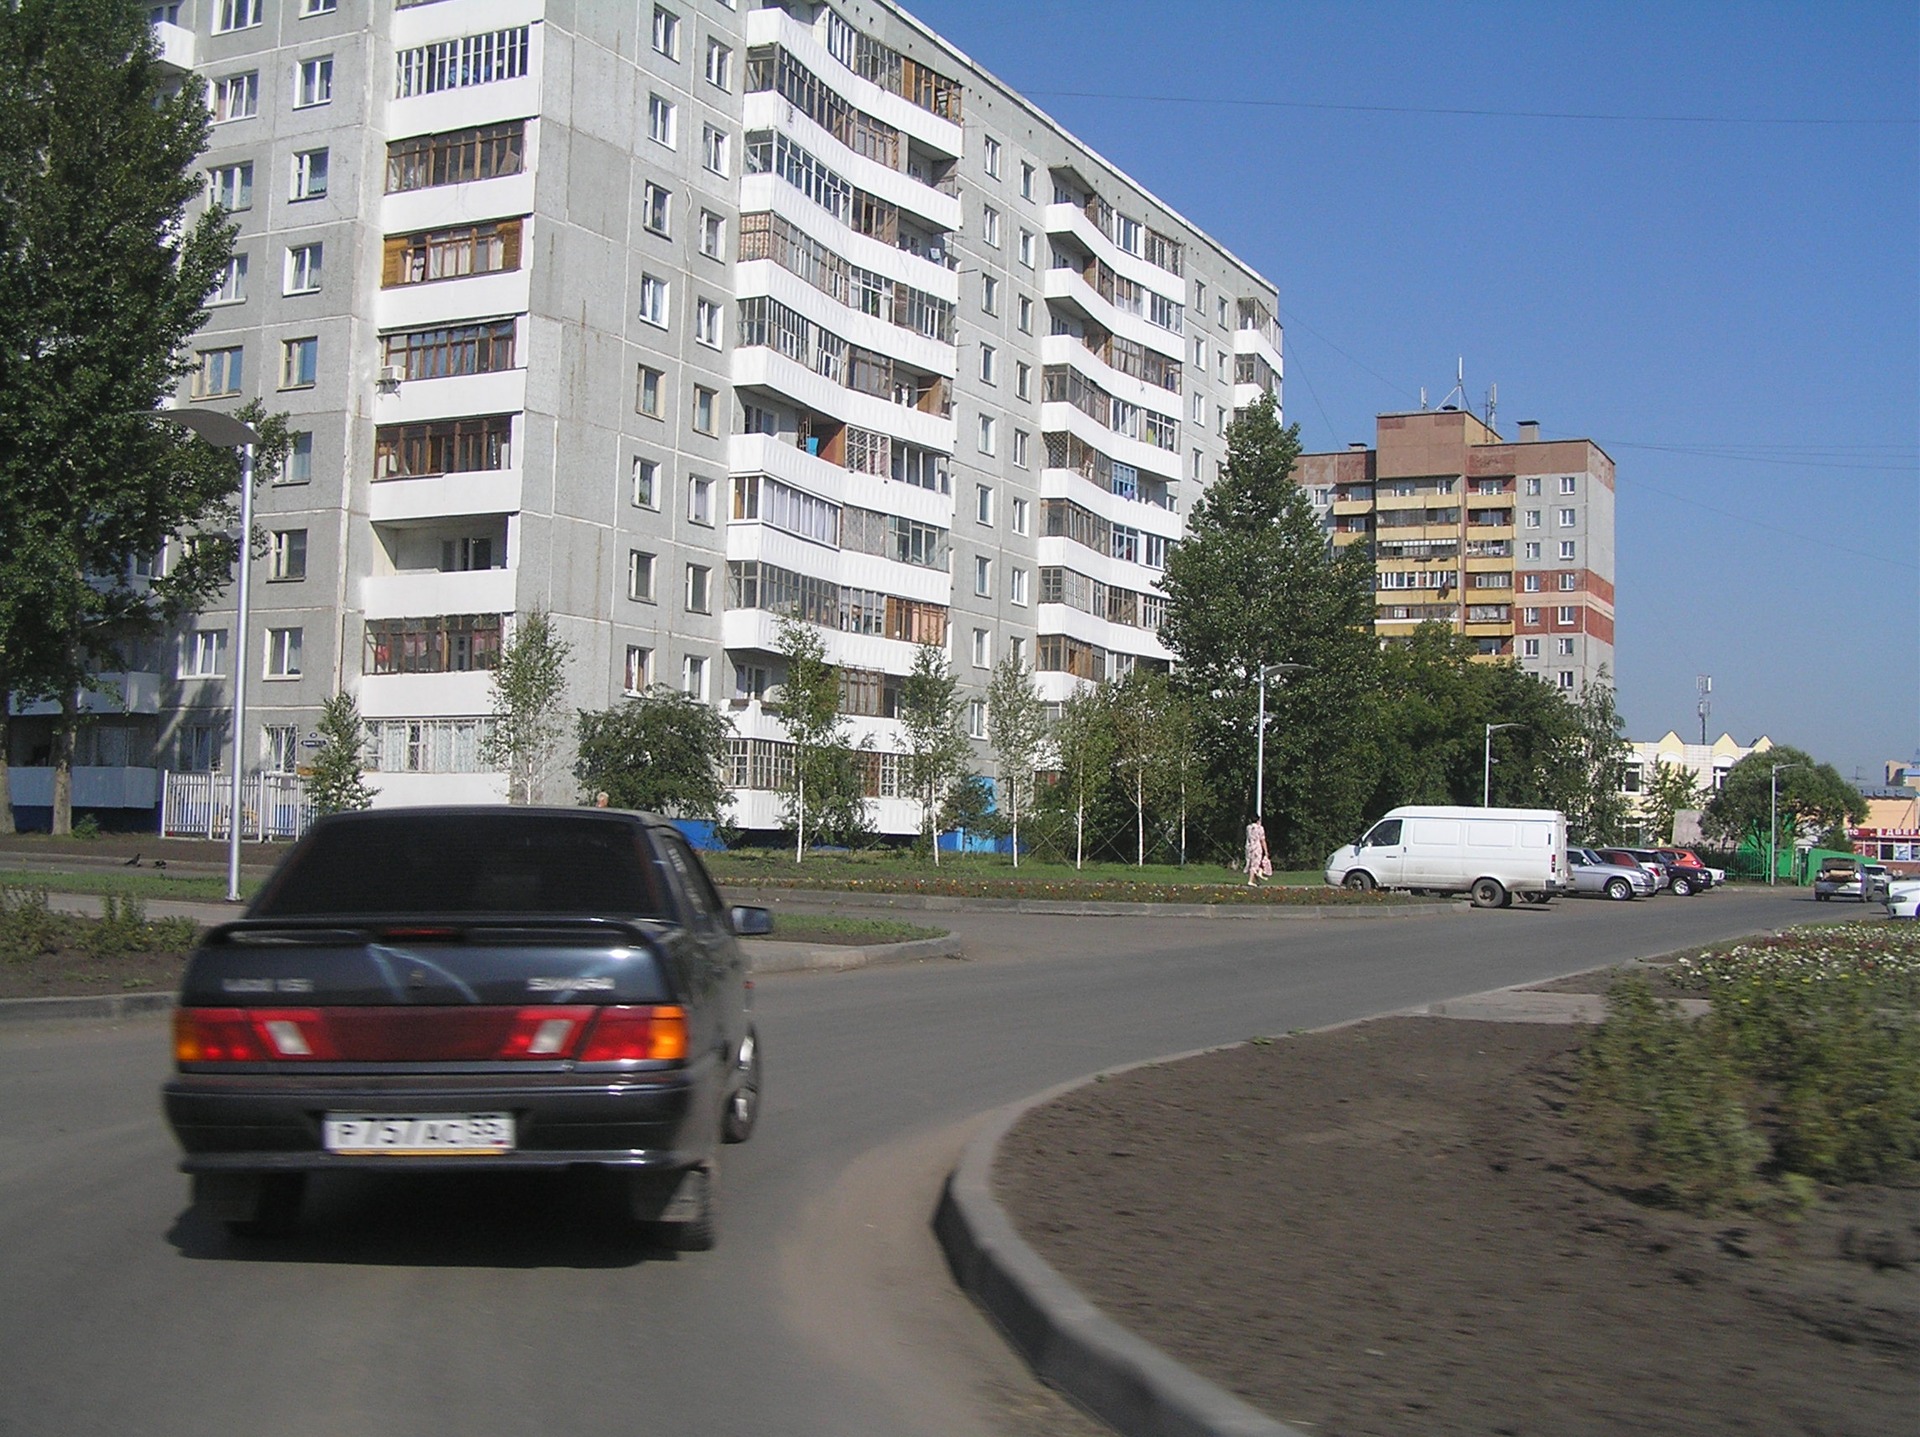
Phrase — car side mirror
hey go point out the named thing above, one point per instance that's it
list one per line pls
(751, 922)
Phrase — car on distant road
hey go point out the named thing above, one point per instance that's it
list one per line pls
(1684, 859)
(1848, 878)
(1652, 865)
(469, 989)
(1682, 879)
(1593, 875)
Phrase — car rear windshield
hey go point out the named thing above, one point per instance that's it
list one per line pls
(468, 863)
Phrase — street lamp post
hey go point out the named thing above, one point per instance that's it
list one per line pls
(1267, 671)
(1773, 820)
(1486, 762)
(218, 427)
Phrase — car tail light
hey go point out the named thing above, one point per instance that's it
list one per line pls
(249, 1035)
(545, 1032)
(657, 1033)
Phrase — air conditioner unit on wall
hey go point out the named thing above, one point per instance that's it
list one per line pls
(391, 375)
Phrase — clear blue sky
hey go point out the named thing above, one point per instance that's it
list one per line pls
(1731, 308)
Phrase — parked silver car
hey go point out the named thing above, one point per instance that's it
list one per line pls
(1593, 876)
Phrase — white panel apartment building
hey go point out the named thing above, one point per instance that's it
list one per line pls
(670, 319)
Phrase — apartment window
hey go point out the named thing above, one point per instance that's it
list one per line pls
(236, 97)
(218, 372)
(1566, 678)
(663, 121)
(990, 156)
(715, 149)
(646, 483)
(1199, 415)
(1017, 587)
(699, 589)
(719, 65)
(1023, 381)
(279, 747)
(666, 32)
(1569, 517)
(235, 15)
(1529, 616)
(713, 235)
(1221, 307)
(1531, 550)
(1020, 442)
(693, 676)
(983, 503)
(706, 321)
(1564, 614)
(700, 500)
(299, 466)
(1199, 464)
(989, 294)
(318, 7)
(1566, 549)
(649, 393)
(287, 556)
(638, 674)
(443, 446)
(299, 363)
(653, 300)
(1569, 582)
(976, 718)
(203, 655)
(450, 350)
(706, 410)
(231, 187)
(983, 576)
(1568, 484)
(233, 282)
(283, 653)
(455, 157)
(988, 427)
(309, 175)
(303, 268)
(990, 225)
(656, 208)
(1533, 486)
(316, 82)
(1200, 295)
(989, 366)
(639, 576)
(1529, 648)
(1020, 520)
(1529, 583)
(1026, 180)
(982, 649)
(1563, 647)
(1533, 518)
(1026, 248)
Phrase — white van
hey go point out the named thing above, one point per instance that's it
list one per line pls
(1490, 853)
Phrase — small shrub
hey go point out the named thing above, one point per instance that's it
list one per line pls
(28, 927)
(86, 826)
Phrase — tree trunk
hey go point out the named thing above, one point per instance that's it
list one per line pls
(1080, 833)
(1139, 819)
(6, 751)
(1183, 818)
(1014, 808)
(800, 815)
(65, 739)
(932, 820)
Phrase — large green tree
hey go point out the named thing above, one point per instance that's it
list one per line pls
(1083, 744)
(529, 682)
(937, 747)
(1670, 788)
(104, 272)
(1810, 798)
(336, 780)
(1017, 723)
(663, 751)
(826, 786)
(1255, 583)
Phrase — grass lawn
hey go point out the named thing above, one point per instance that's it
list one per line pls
(830, 928)
(746, 865)
(126, 885)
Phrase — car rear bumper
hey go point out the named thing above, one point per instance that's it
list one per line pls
(249, 1123)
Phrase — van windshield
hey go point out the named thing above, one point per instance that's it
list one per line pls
(1387, 831)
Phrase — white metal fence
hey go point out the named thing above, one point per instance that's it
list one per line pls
(197, 805)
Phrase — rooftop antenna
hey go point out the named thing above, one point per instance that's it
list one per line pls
(1423, 398)
(1705, 684)
(1493, 403)
(1459, 390)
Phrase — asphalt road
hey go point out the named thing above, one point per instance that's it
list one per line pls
(507, 1305)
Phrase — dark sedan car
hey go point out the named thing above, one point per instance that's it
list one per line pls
(468, 989)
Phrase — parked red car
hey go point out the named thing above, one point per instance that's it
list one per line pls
(1685, 860)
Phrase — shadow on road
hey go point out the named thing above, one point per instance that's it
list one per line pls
(505, 1220)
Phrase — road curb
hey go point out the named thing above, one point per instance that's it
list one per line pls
(1122, 1379)
(777, 898)
(102, 1005)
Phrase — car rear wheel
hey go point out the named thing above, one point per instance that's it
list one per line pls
(1682, 885)
(1358, 881)
(1489, 893)
(1619, 889)
(743, 1103)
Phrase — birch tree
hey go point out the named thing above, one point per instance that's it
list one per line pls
(1017, 724)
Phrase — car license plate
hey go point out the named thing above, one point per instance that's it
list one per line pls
(411, 1134)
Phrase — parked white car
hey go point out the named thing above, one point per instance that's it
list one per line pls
(1903, 898)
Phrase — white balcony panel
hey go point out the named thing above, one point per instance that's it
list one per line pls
(775, 27)
(439, 206)
(434, 790)
(1071, 554)
(1066, 284)
(175, 44)
(1065, 349)
(859, 571)
(770, 192)
(407, 596)
(1071, 219)
(764, 454)
(768, 111)
(1245, 394)
(492, 491)
(472, 104)
(418, 24)
(1135, 513)
(764, 277)
(1252, 341)
(757, 629)
(1060, 415)
(760, 809)
(414, 401)
(1056, 688)
(1089, 629)
(459, 695)
(769, 369)
(448, 301)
